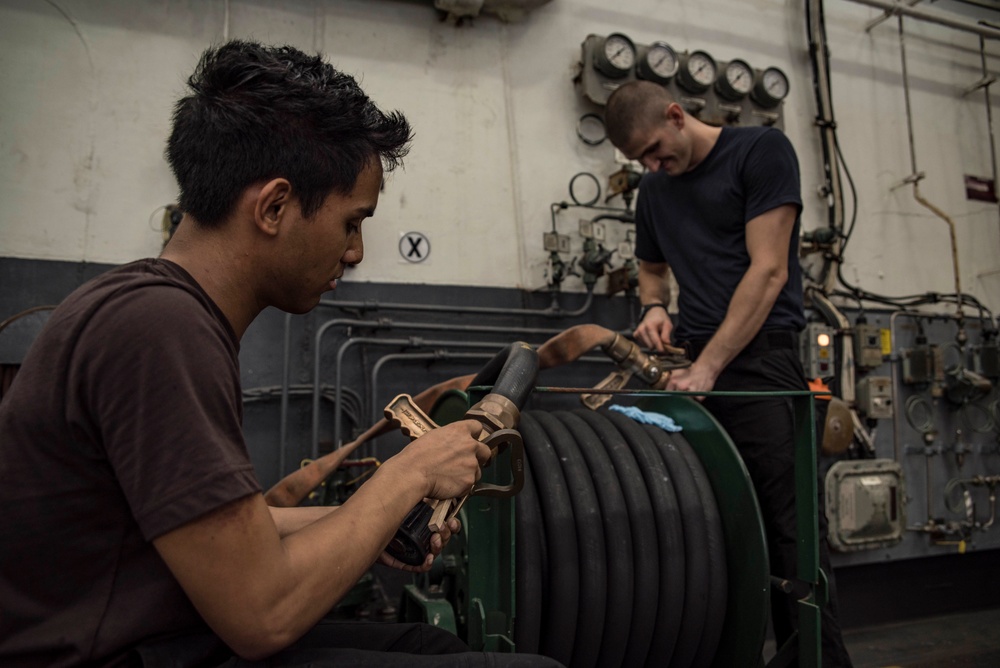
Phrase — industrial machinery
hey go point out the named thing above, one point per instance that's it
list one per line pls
(634, 536)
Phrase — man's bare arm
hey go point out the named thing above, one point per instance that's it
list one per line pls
(654, 288)
(290, 520)
(260, 591)
(768, 237)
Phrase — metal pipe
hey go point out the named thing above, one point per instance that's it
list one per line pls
(954, 247)
(915, 177)
(886, 15)
(894, 368)
(900, 9)
(989, 111)
(432, 356)
(829, 138)
(389, 324)
(906, 98)
(369, 447)
(553, 311)
(993, 509)
(412, 341)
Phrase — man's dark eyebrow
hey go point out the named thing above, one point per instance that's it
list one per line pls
(365, 211)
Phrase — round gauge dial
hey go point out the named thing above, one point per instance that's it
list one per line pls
(736, 80)
(659, 63)
(770, 88)
(697, 71)
(615, 56)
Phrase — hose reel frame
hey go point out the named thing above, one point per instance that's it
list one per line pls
(481, 559)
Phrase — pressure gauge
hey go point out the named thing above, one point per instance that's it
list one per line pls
(697, 71)
(770, 88)
(736, 80)
(615, 56)
(658, 63)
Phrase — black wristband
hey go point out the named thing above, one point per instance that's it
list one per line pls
(648, 307)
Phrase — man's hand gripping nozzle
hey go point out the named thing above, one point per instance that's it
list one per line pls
(499, 416)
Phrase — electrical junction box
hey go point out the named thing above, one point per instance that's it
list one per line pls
(556, 242)
(874, 396)
(923, 365)
(864, 504)
(592, 230)
(867, 346)
(817, 350)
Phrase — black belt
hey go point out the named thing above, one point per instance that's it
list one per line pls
(764, 342)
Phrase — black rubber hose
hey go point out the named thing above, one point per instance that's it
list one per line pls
(644, 541)
(590, 542)
(617, 541)
(695, 550)
(529, 565)
(718, 589)
(560, 604)
(670, 537)
(511, 372)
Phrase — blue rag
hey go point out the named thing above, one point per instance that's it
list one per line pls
(656, 419)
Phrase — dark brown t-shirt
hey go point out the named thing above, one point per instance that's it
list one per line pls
(123, 423)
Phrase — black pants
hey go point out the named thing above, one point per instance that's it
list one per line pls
(763, 430)
(340, 644)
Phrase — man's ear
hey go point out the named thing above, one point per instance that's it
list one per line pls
(273, 203)
(675, 115)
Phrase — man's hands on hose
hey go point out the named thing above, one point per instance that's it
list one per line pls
(449, 459)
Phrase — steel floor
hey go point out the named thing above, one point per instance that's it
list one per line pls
(968, 639)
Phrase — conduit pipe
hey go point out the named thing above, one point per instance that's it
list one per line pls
(389, 324)
(410, 342)
(553, 311)
(385, 359)
(836, 317)
(915, 177)
(987, 81)
(902, 9)
(828, 131)
(886, 15)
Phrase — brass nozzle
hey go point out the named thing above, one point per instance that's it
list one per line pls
(496, 412)
(627, 355)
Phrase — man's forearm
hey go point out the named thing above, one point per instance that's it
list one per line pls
(654, 284)
(748, 310)
(290, 520)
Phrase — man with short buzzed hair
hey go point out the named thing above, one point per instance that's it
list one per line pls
(720, 208)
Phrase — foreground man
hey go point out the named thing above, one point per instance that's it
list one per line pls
(134, 531)
(720, 208)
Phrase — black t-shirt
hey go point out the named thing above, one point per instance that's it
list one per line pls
(696, 223)
(124, 422)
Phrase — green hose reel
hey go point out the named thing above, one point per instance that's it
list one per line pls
(471, 589)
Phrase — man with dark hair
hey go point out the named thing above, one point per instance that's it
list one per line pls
(134, 531)
(720, 208)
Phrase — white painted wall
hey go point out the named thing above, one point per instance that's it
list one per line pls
(86, 90)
